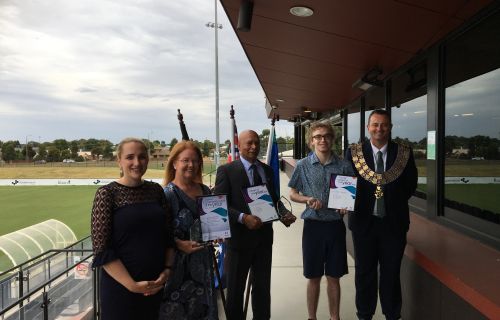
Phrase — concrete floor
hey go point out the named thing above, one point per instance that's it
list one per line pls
(288, 285)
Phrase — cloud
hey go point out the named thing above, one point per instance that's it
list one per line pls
(109, 69)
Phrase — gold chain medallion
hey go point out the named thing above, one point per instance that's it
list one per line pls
(379, 179)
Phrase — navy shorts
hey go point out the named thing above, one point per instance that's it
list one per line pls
(324, 249)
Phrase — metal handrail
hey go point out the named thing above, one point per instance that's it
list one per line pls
(21, 299)
(209, 174)
(37, 258)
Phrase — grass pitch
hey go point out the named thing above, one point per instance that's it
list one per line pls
(68, 173)
(24, 206)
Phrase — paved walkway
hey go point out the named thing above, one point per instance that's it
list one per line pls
(288, 285)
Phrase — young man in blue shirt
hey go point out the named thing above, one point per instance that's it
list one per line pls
(323, 238)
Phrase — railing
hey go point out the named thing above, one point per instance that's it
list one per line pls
(55, 284)
(209, 175)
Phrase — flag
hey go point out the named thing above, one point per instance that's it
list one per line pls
(235, 153)
(272, 159)
(220, 255)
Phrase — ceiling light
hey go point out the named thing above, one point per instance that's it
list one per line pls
(280, 100)
(245, 16)
(360, 84)
(301, 11)
(306, 110)
(369, 80)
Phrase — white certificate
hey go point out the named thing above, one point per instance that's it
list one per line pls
(260, 203)
(214, 217)
(342, 192)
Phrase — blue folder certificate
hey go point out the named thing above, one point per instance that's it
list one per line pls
(214, 217)
(342, 192)
(260, 203)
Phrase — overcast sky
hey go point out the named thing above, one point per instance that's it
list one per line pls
(109, 69)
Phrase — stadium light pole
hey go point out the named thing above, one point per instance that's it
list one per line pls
(27, 157)
(150, 134)
(216, 26)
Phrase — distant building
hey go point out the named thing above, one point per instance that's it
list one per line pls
(87, 155)
(460, 152)
(160, 153)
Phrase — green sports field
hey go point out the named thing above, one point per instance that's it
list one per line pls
(24, 206)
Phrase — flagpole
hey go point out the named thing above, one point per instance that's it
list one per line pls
(233, 147)
(216, 91)
(216, 26)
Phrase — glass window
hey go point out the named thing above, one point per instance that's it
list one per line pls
(472, 146)
(410, 126)
(472, 122)
(353, 121)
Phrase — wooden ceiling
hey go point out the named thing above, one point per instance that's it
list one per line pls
(312, 62)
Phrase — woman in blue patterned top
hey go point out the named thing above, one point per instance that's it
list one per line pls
(190, 293)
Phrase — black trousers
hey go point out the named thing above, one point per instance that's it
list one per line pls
(378, 247)
(239, 262)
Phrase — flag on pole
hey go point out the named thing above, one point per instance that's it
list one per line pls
(235, 153)
(272, 158)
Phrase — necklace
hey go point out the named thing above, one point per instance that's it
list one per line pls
(379, 179)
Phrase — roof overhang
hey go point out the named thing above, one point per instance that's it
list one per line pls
(312, 62)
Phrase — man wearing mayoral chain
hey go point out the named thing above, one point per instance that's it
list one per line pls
(387, 178)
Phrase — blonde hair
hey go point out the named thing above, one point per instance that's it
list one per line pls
(174, 155)
(119, 150)
(319, 125)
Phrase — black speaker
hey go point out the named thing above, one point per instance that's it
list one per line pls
(245, 16)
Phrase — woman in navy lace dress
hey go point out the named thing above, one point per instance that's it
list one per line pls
(190, 293)
(132, 237)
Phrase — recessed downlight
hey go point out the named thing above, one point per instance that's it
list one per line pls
(301, 11)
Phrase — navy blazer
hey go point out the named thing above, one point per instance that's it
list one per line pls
(231, 179)
(396, 193)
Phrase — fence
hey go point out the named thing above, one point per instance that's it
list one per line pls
(55, 284)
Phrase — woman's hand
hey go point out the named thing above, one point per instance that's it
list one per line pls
(188, 246)
(146, 288)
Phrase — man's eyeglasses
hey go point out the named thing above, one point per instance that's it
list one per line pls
(320, 137)
(187, 161)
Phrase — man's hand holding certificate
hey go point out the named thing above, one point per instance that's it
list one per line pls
(260, 203)
(342, 192)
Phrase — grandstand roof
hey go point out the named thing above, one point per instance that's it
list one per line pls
(24, 244)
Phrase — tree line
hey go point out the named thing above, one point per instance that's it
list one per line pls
(102, 149)
(473, 147)
(56, 150)
(59, 149)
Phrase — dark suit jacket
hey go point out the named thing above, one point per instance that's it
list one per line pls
(231, 178)
(396, 193)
